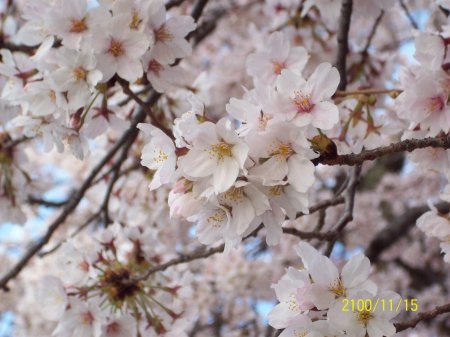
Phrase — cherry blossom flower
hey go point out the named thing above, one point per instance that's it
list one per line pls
(77, 75)
(216, 152)
(307, 101)
(374, 323)
(170, 42)
(277, 55)
(285, 151)
(119, 49)
(71, 22)
(159, 155)
(329, 285)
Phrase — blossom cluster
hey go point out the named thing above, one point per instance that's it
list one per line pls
(105, 292)
(254, 166)
(311, 299)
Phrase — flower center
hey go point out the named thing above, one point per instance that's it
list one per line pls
(282, 151)
(78, 26)
(303, 102)
(217, 218)
(162, 34)
(293, 303)
(135, 21)
(112, 328)
(154, 66)
(232, 196)
(221, 150)
(364, 316)
(116, 48)
(80, 74)
(276, 190)
(52, 95)
(435, 104)
(337, 288)
(278, 67)
(87, 318)
(160, 156)
(263, 120)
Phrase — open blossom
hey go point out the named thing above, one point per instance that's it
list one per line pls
(158, 155)
(307, 102)
(284, 201)
(170, 42)
(329, 285)
(119, 48)
(163, 77)
(77, 75)
(70, 20)
(286, 152)
(277, 55)
(122, 326)
(216, 152)
(80, 320)
(437, 225)
(372, 323)
(292, 303)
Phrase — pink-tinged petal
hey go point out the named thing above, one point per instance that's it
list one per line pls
(180, 25)
(278, 45)
(242, 215)
(129, 69)
(356, 271)
(303, 119)
(301, 173)
(272, 221)
(162, 53)
(107, 65)
(323, 82)
(325, 115)
(272, 170)
(198, 163)
(136, 45)
(225, 174)
(320, 296)
(297, 60)
(288, 82)
(240, 153)
(380, 328)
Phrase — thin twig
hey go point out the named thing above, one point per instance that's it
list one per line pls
(342, 36)
(78, 230)
(408, 15)
(347, 216)
(423, 316)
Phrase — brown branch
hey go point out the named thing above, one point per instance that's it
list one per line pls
(327, 236)
(397, 230)
(323, 205)
(408, 15)
(116, 171)
(173, 3)
(144, 106)
(372, 33)
(198, 9)
(408, 145)
(342, 36)
(199, 254)
(349, 197)
(46, 203)
(423, 316)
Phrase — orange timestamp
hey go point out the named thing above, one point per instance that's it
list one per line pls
(409, 304)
